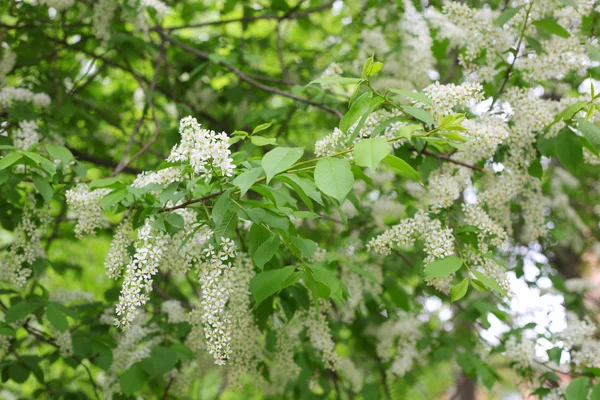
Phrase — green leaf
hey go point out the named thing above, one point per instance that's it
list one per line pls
(6, 330)
(133, 379)
(507, 16)
(161, 360)
(570, 111)
(443, 267)
(333, 176)
(569, 3)
(489, 282)
(369, 152)
(100, 183)
(535, 44)
(226, 227)
(113, 198)
(56, 317)
(280, 159)
(592, 133)
(18, 372)
(551, 26)
(402, 167)
(535, 169)
(268, 283)
(367, 65)
(42, 185)
(266, 251)
(420, 97)
(420, 114)
(569, 150)
(262, 141)
(595, 395)
(262, 127)
(9, 160)
(459, 290)
(374, 68)
(357, 109)
(306, 185)
(336, 79)
(306, 246)
(247, 179)
(361, 271)
(20, 311)
(59, 152)
(478, 285)
(578, 389)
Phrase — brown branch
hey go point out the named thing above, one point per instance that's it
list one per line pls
(247, 78)
(193, 201)
(101, 161)
(292, 15)
(449, 159)
(149, 103)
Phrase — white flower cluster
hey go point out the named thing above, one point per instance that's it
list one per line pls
(104, 11)
(216, 276)
(444, 189)
(164, 176)
(65, 343)
(348, 370)
(446, 98)
(578, 331)
(118, 254)
(489, 267)
(397, 342)
(149, 250)
(533, 213)
(58, 4)
(65, 296)
(560, 56)
(338, 141)
(27, 135)
(86, 205)
(131, 348)
(204, 150)
(579, 285)
(473, 29)
(416, 46)
(283, 368)
(330, 143)
(320, 334)
(7, 63)
(26, 246)
(162, 10)
(247, 347)
(319, 255)
(4, 346)
(438, 242)
(10, 94)
(359, 285)
(484, 134)
(521, 352)
(332, 70)
(174, 310)
(476, 216)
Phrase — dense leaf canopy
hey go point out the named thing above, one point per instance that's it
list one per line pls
(299, 199)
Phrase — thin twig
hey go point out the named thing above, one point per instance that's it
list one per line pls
(148, 93)
(292, 15)
(249, 80)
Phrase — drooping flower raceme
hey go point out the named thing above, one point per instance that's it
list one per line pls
(26, 247)
(149, 250)
(86, 205)
(206, 151)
